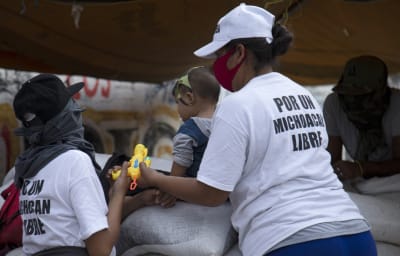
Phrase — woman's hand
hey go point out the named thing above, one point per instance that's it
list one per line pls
(122, 183)
(346, 170)
(148, 176)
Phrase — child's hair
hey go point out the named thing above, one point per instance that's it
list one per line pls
(201, 82)
(204, 83)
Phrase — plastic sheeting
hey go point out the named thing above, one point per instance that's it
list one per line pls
(153, 40)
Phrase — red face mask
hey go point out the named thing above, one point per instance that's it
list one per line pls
(222, 73)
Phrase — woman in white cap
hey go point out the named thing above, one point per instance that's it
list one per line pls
(267, 152)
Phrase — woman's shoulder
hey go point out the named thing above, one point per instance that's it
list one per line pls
(75, 155)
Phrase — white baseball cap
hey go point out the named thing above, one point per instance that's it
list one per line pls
(244, 21)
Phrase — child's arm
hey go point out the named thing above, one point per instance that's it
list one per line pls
(177, 169)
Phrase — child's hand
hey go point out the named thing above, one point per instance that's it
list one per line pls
(122, 183)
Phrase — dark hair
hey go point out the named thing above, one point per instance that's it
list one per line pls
(204, 84)
(264, 52)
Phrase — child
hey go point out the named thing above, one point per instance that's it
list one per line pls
(196, 94)
(62, 204)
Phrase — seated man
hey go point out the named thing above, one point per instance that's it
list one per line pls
(362, 114)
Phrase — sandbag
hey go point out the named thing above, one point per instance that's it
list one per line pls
(382, 214)
(379, 185)
(178, 230)
(385, 249)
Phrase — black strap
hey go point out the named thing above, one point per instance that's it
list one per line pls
(63, 251)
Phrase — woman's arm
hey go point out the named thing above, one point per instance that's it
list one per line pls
(102, 242)
(335, 146)
(184, 188)
(367, 169)
(165, 199)
(384, 168)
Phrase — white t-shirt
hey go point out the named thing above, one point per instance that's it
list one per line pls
(63, 204)
(267, 146)
(337, 124)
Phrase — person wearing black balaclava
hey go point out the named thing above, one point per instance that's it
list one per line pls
(62, 203)
(362, 115)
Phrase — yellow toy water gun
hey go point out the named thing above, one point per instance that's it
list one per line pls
(139, 155)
